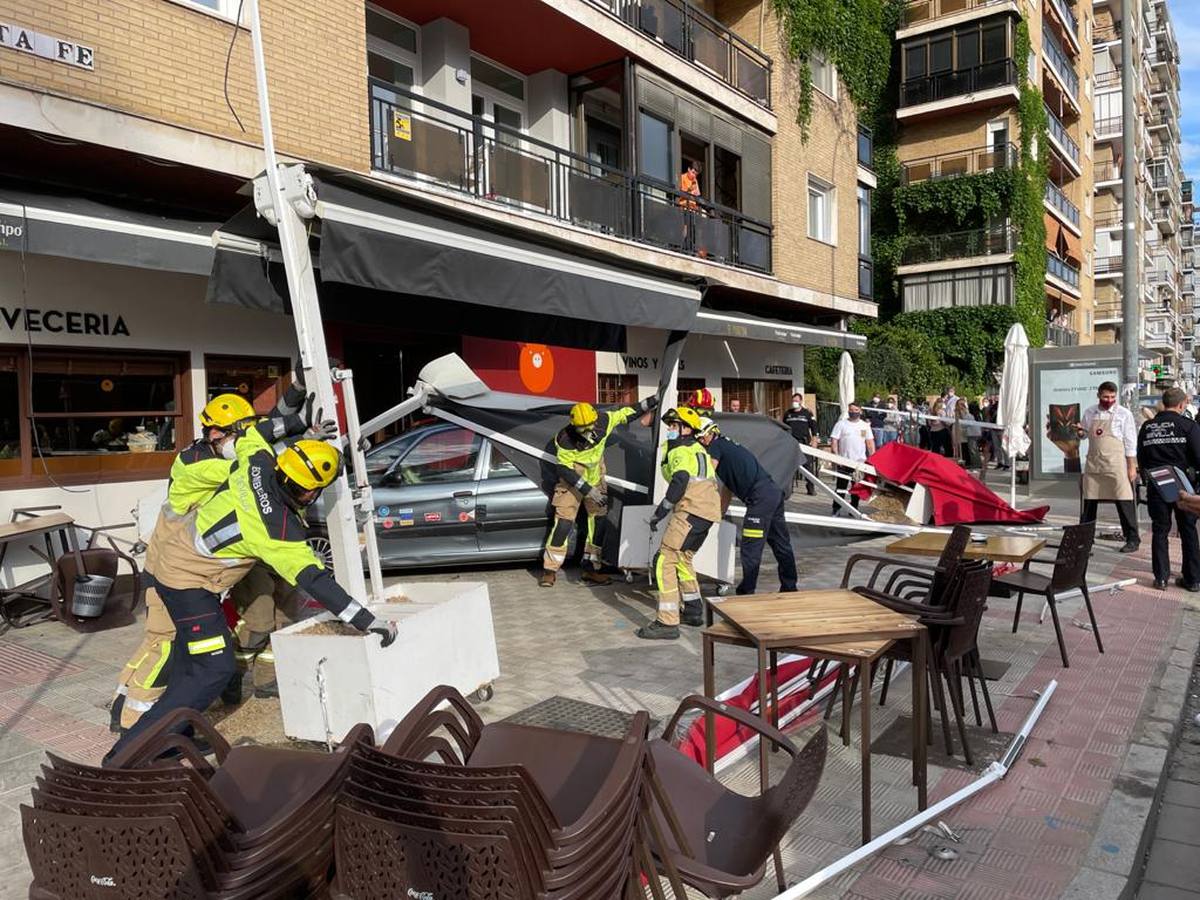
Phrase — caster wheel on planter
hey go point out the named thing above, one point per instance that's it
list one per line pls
(628, 577)
(723, 590)
(485, 693)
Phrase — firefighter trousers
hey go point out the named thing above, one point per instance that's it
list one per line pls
(202, 651)
(566, 502)
(148, 670)
(674, 574)
(765, 524)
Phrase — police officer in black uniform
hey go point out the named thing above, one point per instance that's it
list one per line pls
(742, 476)
(803, 425)
(1171, 439)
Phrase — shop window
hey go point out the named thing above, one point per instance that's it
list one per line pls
(616, 390)
(685, 388)
(259, 381)
(739, 389)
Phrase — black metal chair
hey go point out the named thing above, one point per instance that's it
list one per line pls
(1069, 573)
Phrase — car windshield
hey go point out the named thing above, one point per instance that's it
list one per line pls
(441, 456)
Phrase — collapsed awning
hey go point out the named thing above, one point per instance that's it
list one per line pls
(380, 260)
(73, 227)
(740, 325)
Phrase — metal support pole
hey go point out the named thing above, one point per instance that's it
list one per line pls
(286, 187)
(1130, 285)
(358, 461)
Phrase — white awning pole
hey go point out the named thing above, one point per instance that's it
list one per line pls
(996, 771)
(290, 189)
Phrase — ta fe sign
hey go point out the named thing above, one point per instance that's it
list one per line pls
(26, 40)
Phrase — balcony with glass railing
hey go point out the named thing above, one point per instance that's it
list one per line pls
(960, 163)
(1058, 132)
(1109, 218)
(1108, 266)
(1062, 270)
(979, 242)
(1060, 62)
(438, 147)
(918, 12)
(1069, 23)
(694, 35)
(1061, 336)
(1060, 203)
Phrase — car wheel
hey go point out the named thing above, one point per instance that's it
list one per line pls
(319, 542)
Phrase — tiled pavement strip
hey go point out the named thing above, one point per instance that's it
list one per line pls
(1065, 823)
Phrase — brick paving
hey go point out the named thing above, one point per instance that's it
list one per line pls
(1035, 835)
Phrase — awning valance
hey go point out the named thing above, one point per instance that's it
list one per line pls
(382, 261)
(740, 325)
(73, 227)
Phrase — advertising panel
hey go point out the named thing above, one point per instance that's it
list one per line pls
(1064, 393)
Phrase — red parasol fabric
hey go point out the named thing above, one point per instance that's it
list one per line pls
(958, 497)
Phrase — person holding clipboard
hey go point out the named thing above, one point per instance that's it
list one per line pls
(1169, 442)
(1111, 465)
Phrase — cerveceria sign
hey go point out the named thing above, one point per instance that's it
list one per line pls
(26, 40)
(63, 321)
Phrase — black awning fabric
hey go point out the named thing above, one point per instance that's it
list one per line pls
(372, 242)
(78, 228)
(741, 325)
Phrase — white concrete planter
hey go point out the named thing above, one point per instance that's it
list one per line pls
(330, 683)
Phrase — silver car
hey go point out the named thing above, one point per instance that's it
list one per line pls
(445, 495)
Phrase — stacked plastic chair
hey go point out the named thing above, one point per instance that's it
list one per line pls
(163, 822)
(502, 811)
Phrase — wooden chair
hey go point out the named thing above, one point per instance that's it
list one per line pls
(1069, 573)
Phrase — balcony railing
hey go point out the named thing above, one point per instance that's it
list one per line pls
(1062, 270)
(918, 11)
(440, 146)
(1060, 62)
(1107, 171)
(953, 165)
(1110, 218)
(1061, 336)
(1106, 34)
(1109, 265)
(1057, 199)
(1058, 131)
(699, 38)
(945, 85)
(679, 221)
(1109, 127)
(958, 245)
(1067, 16)
(1108, 78)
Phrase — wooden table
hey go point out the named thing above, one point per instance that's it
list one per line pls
(997, 548)
(829, 624)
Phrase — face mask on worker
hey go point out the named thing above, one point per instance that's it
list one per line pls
(1108, 402)
(854, 416)
(586, 432)
(795, 404)
(672, 434)
(229, 448)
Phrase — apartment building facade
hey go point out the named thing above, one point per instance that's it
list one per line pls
(958, 117)
(548, 141)
(1187, 285)
(1165, 314)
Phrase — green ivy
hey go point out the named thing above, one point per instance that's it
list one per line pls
(855, 35)
(968, 199)
(1027, 210)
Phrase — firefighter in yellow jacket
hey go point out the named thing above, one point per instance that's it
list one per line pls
(257, 516)
(691, 504)
(579, 449)
(196, 474)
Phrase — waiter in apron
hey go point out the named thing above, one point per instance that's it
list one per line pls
(1110, 469)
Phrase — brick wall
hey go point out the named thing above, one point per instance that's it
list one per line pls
(165, 61)
(830, 153)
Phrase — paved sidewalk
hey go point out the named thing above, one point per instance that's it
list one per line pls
(1066, 823)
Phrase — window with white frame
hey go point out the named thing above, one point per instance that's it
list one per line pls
(393, 48)
(822, 210)
(824, 75)
(227, 9)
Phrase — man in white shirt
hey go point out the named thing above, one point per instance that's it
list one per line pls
(1110, 469)
(852, 439)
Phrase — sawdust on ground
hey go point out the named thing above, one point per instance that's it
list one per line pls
(335, 628)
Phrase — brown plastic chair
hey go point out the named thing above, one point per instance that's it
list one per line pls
(124, 597)
(1069, 573)
(718, 840)
(907, 579)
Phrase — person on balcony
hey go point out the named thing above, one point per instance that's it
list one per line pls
(689, 187)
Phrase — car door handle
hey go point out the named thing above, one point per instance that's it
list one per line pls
(460, 495)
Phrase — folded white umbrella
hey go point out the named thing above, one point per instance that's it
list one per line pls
(1014, 399)
(846, 383)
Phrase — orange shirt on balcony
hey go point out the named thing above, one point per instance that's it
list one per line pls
(689, 183)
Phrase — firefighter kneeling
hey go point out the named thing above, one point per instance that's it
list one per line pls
(691, 505)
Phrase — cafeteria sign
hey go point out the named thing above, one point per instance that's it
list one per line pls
(401, 125)
(25, 40)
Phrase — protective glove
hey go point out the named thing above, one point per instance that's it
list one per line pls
(661, 512)
(644, 406)
(321, 430)
(298, 374)
(386, 630)
(596, 496)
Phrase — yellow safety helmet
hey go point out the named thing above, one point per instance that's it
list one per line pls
(224, 411)
(683, 416)
(583, 415)
(310, 465)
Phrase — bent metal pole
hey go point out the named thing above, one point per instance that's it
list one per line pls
(996, 771)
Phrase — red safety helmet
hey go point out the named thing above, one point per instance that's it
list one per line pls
(702, 398)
